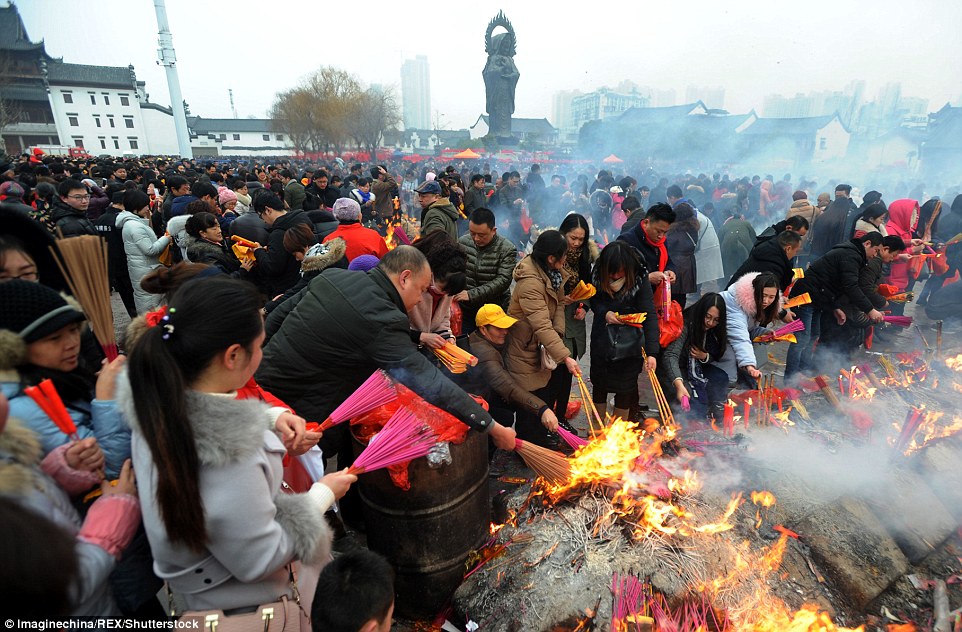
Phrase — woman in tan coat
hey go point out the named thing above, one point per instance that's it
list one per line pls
(537, 340)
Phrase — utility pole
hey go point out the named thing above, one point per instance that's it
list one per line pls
(233, 110)
(168, 60)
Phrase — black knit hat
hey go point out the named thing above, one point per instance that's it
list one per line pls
(33, 311)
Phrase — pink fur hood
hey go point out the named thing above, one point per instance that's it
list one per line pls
(744, 293)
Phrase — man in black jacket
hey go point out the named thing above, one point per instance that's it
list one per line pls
(795, 223)
(648, 238)
(319, 194)
(69, 211)
(772, 255)
(348, 324)
(277, 267)
(827, 280)
(106, 226)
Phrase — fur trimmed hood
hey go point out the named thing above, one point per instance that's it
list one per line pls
(322, 256)
(744, 293)
(20, 453)
(226, 430)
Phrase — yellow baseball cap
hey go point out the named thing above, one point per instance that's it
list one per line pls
(491, 314)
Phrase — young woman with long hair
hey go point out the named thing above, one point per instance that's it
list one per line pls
(536, 302)
(582, 254)
(752, 303)
(221, 531)
(621, 279)
(687, 360)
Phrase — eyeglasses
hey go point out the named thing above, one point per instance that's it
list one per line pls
(80, 198)
(32, 275)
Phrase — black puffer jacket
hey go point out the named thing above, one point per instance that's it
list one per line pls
(278, 267)
(71, 221)
(489, 271)
(766, 256)
(218, 255)
(836, 275)
(346, 325)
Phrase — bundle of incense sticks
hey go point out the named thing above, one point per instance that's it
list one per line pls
(766, 395)
(548, 464)
(866, 371)
(376, 390)
(401, 236)
(456, 359)
(666, 299)
(582, 291)
(664, 410)
(798, 273)
(401, 439)
(244, 248)
(628, 604)
(912, 421)
(83, 262)
(899, 321)
(782, 333)
(571, 439)
(904, 297)
(47, 398)
(590, 408)
(801, 299)
(938, 338)
(827, 392)
(925, 342)
(635, 320)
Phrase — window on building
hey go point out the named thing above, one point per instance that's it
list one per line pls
(116, 143)
(223, 137)
(74, 120)
(78, 142)
(823, 143)
(280, 137)
(133, 143)
(266, 137)
(67, 97)
(93, 99)
(129, 122)
(106, 99)
(97, 120)
(103, 143)
(236, 136)
(124, 100)
(110, 120)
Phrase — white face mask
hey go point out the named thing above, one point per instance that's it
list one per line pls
(617, 284)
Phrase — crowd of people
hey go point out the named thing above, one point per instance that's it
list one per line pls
(263, 295)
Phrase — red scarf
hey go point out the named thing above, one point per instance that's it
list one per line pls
(662, 251)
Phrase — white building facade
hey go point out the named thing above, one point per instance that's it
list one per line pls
(97, 108)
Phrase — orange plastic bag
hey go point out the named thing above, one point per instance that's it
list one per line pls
(938, 264)
(915, 266)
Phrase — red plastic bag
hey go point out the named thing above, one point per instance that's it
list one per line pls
(456, 318)
(526, 221)
(670, 329)
(886, 290)
(574, 407)
(938, 264)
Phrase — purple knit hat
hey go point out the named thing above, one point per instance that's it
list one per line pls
(363, 263)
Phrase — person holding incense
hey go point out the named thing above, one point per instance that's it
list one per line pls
(348, 324)
(505, 396)
(142, 246)
(40, 339)
(537, 349)
(40, 488)
(431, 317)
(751, 304)
(222, 533)
(621, 279)
(687, 360)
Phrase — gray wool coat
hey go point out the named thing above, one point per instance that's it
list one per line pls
(254, 529)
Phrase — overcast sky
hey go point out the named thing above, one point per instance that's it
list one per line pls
(752, 48)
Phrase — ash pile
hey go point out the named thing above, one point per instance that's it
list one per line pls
(845, 517)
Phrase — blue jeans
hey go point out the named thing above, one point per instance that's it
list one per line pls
(800, 353)
(714, 391)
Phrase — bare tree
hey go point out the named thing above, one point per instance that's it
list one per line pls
(319, 113)
(376, 111)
